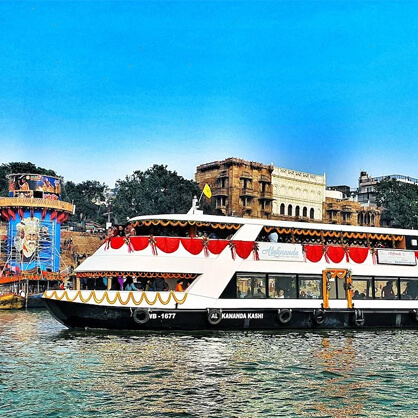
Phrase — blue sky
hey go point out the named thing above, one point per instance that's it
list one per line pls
(98, 89)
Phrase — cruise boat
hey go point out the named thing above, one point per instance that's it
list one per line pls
(197, 272)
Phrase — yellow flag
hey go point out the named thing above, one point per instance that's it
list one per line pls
(206, 191)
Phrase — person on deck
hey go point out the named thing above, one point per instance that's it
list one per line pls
(160, 284)
(129, 284)
(387, 291)
(179, 287)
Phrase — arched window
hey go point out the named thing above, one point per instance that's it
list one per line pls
(305, 211)
(367, 219)
(360, 218)
(372, 220)
(297, 211)
(282, 208)
(312, 213)
(289, 210)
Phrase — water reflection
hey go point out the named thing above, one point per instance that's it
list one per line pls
(49, 370)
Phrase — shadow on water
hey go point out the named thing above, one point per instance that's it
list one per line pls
(48, 370)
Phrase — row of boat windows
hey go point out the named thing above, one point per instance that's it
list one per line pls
(299, 286)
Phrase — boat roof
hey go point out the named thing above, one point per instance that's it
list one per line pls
(186, 217)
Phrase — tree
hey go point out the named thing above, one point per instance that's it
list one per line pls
(154, 191)
(88, 198)
(399, 202)
(20, 167)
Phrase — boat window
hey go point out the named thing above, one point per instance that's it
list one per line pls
(409, 289)
(251, 285)
(362, 288)
(282, 286)
(310, 287)
(386, 288)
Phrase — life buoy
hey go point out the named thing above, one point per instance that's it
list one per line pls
(414, 314)
(214, 316)
(141, 316)
(284, 315)
(358, 318)
(319, 316)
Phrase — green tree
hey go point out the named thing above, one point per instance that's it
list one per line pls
(399, 202)
(88, 198)
(20, 167)
(154, 191)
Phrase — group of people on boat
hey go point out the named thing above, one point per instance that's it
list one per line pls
(157, 284)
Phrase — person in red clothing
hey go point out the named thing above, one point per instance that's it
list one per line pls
(179, 286)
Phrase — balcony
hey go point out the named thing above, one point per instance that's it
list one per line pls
(220, 191)
(246, 175)
(247, 191)
(266, 196)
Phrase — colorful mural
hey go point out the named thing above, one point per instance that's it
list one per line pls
(34, 242)
(34, 185)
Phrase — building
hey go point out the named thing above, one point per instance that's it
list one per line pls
(239, 188)
(341, 208)
(298, 195)
(251, 189)
(366, 193)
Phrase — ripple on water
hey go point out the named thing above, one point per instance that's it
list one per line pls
(49, 371)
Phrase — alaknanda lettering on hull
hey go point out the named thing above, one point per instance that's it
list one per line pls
(242, 315)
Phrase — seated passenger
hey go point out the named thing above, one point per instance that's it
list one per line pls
(273, 237)
(150, 285)
(411, 291)
(280, 295)
(259, 294)
(387, 291)
(129, 284)
(356, 294)
(179, 286)
(115, 284)
(160, 284)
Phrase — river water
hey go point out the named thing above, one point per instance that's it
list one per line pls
(49, 371)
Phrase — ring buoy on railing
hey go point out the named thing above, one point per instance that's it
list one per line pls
(284, 315)
(141, 316)
(414, 314)
(214, 316)
(358, 318)
(318, 316)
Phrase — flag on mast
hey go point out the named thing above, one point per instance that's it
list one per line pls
(206, 191)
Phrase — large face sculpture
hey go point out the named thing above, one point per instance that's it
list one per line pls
(28, 230)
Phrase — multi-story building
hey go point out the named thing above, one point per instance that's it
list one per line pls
(366, 193)
(252, 189)
(298, 195)
(341, 208)
(239, 188)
